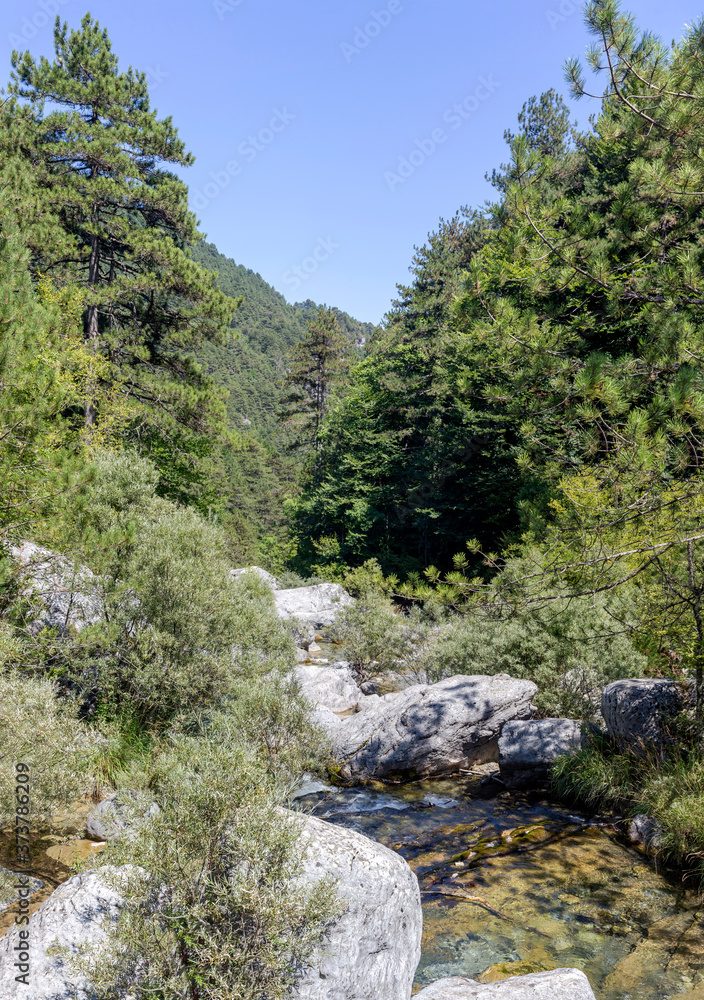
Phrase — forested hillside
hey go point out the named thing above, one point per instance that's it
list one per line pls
(251, 366)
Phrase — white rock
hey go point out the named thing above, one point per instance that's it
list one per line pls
(636, 711)
(120, 815)
(318, 604)
(62, 594)
(431, 729)
(75, 914)
(559, 984)
(267, 578)
(333, 686)
(372, 950)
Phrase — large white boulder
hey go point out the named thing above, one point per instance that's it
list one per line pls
(61, 594)
(372, 950)
(558, 984)
(75, 914)
(528, 748)
(318, 604)
(431, 729)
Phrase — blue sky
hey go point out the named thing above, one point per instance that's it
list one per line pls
(331, 135)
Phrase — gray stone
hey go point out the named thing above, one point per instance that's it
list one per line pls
(558, 984)
(318, 604)
(431, 729)
(119, 815)
(372, 950)
(10, 884)
(528, 749)
(75, 914)
(636, 712)
(265, 577)
(61, 594)
(645, 832)
(333, 686)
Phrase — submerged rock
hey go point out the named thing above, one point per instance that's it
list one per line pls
(372, 950)
(637, 712)
(75, 914)
(431, 729)
(318, 604)
(529, 748)
(559, 984)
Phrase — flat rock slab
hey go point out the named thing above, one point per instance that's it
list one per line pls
(73, 915)
(372, 950)
(636, 711)
(431, 729)
(559, 984)
(529, 748)
(319, 604)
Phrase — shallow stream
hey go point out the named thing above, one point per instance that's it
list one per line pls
(515, 883)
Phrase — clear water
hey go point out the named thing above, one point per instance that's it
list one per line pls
(537, 887)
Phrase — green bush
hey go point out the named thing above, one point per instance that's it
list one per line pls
(669, 789)
(222, 913)
(63, 754)
(569, 651)
(372, 635)
(178, 633)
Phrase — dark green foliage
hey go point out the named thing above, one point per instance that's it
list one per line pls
(115, 226)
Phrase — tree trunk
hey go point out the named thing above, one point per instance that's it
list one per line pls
(92, 327)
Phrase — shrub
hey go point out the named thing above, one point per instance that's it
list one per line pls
(177, 632)
(371, 635)
(568, 651)
(63, 754)
(222, 913)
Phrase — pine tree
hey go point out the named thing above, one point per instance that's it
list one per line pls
(115, 224)
(34, 391)
(315, 366)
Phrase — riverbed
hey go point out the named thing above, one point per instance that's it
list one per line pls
(514, 883)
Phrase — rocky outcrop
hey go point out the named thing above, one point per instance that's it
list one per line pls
(119, 815)
(528, 749)
(637, 712)
(60, 594)
(265, 577)
(318, 604)
(372, 950)
(431, 729)
(75, 914)
(559, 984)
(332, 686)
